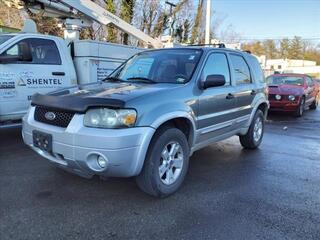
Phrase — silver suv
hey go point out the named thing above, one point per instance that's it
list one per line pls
(149, 116)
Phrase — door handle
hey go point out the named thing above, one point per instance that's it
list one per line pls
(230, 96)
(58, 73)
(253, 92)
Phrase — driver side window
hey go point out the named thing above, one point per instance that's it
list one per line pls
(217, 64)
(43, 51)
(13, 51)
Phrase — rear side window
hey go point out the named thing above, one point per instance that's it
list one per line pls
(217, 63)
(43, 51)
(241, 69)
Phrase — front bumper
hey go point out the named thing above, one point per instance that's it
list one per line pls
(285, 106)
(76, 147)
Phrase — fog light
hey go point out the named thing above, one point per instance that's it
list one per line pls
(101, 162)
(278, 97)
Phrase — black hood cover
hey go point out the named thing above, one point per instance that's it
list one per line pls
(73, 103)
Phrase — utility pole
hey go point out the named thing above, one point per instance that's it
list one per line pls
(171, 18)
(208, 22)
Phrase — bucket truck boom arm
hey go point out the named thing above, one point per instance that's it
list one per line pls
(89, 10)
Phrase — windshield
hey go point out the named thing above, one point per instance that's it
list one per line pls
(4, 38)
(291, 80)
(163, 66)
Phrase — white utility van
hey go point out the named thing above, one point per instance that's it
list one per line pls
(35, 63)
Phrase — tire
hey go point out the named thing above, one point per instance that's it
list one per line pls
(253, 139)
(300, 110)
(149, 179)
(314, 105)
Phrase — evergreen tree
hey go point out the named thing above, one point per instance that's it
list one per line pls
(270, 49)
(296, 48)
(111, 30)
(186, 31)
(284, 48)
(127, 8)
(255, 48)
(178, 33)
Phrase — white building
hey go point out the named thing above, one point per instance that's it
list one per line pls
(271, 66)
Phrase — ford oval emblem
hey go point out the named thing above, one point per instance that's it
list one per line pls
(50, 116)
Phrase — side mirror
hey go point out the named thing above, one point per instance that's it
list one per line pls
(215, 80)
(9, 58)
(24, 55)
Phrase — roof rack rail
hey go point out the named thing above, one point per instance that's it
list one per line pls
(218, 45)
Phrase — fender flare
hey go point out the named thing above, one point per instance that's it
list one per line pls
(178, 114)
(157, 123)
(254, 110)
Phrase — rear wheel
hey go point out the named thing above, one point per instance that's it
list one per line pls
(254, 136)
(301, 107)
(166, 163)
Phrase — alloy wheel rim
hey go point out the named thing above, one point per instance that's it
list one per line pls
(171, 163)
(257, 130)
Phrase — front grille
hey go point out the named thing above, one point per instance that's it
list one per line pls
(272, 97)
(283, 97)
(61, 119)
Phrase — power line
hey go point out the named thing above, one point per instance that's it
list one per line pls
(277, 38)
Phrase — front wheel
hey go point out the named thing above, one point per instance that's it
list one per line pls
(254, 136)
(166, 163)
(301, 107)
(314, 105)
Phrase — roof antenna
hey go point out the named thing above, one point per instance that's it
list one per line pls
(29, 26)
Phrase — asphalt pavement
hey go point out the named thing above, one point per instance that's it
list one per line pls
(229, 193)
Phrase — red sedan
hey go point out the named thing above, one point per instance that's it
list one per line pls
(292, 93)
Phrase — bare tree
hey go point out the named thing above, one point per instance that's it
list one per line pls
(9, 13)
(197, 23)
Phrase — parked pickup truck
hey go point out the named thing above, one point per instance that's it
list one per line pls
(34, 63)
(150, 115)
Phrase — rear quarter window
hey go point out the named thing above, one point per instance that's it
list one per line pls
(256, 70)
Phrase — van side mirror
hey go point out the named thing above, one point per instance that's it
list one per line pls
(215, 80)
(24, 55)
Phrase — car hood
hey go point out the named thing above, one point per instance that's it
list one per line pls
(122, 91)
(285, 89)
(82, 97)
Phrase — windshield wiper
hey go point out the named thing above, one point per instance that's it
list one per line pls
(141, 79)
(113, 79)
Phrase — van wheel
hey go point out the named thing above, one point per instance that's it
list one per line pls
(254, 136)
(166, 163)
(301, 107)
(314, 105)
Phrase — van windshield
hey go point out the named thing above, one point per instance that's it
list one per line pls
(159, 66)
(4, 38)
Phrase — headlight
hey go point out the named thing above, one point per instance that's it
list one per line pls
(110, 118)
(291, 98)
(278, 97)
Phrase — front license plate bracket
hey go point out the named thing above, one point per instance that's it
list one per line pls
(42, 140)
